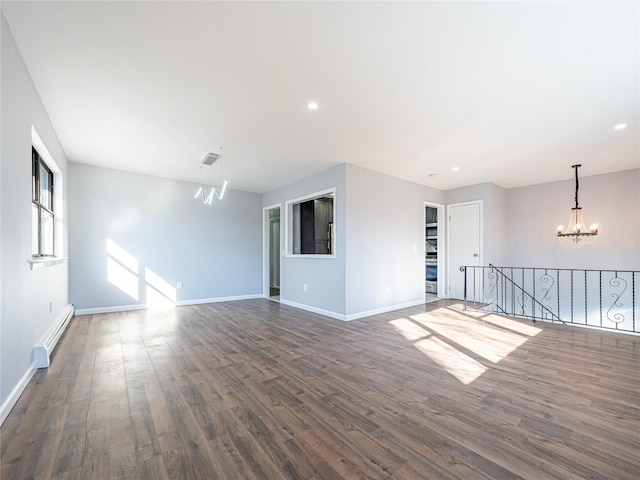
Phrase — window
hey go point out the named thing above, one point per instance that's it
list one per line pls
(311, 224)
(42, 207)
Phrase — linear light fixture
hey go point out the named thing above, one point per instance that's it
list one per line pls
(209, 198)
(209, 159)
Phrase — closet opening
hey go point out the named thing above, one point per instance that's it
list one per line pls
(433, 251)
(272, 253)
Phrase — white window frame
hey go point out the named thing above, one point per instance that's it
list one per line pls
(288, 234)
(58, 217)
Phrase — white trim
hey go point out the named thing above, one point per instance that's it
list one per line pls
(58, 201)
(13, 397)
(390, 308)
(352, 316)
(42, 150)
(271, 207)
(442, 247)
(309, 308)
(197, 301)
(311, 255)
(310, 196)
(36, 263)
(118, 308)
(288, 222)
(265, 253)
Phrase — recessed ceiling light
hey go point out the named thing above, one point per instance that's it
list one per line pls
(433, 174)
(620, 126)
(455, 169)
(312, 106)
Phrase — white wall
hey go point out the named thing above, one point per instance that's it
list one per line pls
(25, 313)
(493, 214)
(379, 221)
(385, 241)
(324, 277)
(496, 226)
(611, 200)
(520, 223)
(168, 236)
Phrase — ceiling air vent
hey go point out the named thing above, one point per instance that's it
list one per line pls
(210, 158)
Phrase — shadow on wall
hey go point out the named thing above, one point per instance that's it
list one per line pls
(142, 285)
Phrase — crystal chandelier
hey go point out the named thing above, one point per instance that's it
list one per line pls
(576, 232)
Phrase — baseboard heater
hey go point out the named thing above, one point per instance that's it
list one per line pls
(43, 350)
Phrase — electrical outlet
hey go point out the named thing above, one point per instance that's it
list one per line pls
(50, 307)
(304, 287)
(388, 288)
(179, 284)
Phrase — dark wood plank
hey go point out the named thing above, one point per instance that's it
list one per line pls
(255, 389)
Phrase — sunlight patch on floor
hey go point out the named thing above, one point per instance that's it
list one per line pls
(503, 322)
(486, 340)
(437, 333)
(409, 329)
(458, 364)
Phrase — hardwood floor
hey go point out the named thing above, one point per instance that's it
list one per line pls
(259, 390)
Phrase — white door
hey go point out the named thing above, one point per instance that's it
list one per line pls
(465, 233)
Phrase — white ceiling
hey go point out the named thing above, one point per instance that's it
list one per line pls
(510, 92)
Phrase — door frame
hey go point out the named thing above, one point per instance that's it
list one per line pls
(266, 235)
(480, 204)
(442, 247)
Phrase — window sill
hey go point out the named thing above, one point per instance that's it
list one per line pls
(46, 262)
(310, 255)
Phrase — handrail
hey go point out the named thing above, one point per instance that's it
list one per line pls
(605, 299)
(567, 269)
(524, 292)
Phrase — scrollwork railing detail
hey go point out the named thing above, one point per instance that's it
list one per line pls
(576, 296)
(545, 309)
(616, 282)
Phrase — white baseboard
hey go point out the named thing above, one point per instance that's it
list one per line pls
(118, 308)
(309, 308)
(352, 316)
(390, 308)
(13, 397)
(326, 313)
(197, 301)
(219, 299)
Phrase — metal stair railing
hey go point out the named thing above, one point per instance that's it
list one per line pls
(534, 302)
(605, 299)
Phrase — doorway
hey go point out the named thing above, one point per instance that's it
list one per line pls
(433, 251)
(465, 243)
(271, 265)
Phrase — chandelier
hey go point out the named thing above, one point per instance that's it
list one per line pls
(207, 198)
(576, 232)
